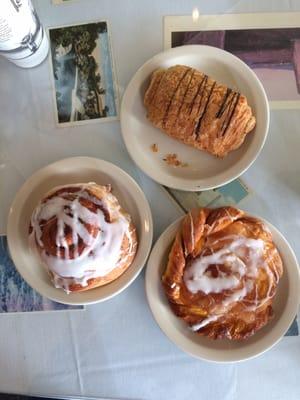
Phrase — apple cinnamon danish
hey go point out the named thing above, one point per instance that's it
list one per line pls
(195, 109)
(83, 236)
(222, 273)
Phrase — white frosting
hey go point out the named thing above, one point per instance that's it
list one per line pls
(242, 257)
(204, 322)
(101, 253)
(233, 255)
(192, 230)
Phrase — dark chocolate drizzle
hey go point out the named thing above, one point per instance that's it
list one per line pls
(183, 97)
(157, 87)
(199, 91)
(226, 124)
(224, 105)
(198, 125)
(173, 96)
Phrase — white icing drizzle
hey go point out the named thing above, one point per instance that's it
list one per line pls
(204, 322)
(243, 257)
(233, 255)
(101, 253)
(192, 231)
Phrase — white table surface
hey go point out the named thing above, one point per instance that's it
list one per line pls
(115, 349)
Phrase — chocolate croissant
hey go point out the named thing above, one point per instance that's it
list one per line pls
(195, 109)
(222, 273)
(83, 236)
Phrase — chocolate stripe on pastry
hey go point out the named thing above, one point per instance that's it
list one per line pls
(173, 96)
(198, 126)
(157, 83)
(199, 92)
(227, 111)
(184, 96)
(224, 105)
(226, 124)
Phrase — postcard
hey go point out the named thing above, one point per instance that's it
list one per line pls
(268, 42)
(82, 72)
(293, 329)
(57, 2)
(231, 194)
(16, 295)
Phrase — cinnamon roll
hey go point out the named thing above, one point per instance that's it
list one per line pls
(195, 109)
(222, 273)
(83, 236)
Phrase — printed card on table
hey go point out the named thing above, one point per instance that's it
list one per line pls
(56, 2)
(82, 72)
(268, 42)
(15, 295)
(231, 194)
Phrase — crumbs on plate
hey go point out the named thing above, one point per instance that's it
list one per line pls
(172, 159)
(154, 147)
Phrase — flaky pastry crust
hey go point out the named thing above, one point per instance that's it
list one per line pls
(225, 246)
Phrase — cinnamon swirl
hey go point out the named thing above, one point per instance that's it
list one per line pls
(83, 236)
(222, 273)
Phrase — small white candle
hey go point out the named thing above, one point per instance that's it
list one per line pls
(195, 14)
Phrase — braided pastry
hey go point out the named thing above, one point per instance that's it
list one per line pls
(222, 273)
(83, 236)
(195, 109)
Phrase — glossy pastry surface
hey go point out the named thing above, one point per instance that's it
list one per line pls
(195, 109)
(83, 236)
(222, 273)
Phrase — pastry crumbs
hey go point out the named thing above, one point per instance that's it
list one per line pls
(154, 147)
(172, 159)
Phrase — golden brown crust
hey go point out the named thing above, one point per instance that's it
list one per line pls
(49, 231)
(195, 109)
(207, 231)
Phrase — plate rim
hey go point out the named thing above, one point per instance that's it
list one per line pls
(193, 184)
(181, 344)
(148, 235)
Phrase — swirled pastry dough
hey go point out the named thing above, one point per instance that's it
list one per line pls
(222, 273)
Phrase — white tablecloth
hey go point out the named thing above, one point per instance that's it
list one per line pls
(115, 349)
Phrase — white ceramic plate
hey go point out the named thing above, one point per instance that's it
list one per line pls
(204, 171)
(285, 307)
(76, 170)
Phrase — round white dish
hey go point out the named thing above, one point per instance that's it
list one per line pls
(285, 305)
(204, 171)
(75, 170)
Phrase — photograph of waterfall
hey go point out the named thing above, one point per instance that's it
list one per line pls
(83, 75)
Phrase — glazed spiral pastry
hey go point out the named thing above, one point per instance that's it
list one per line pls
(83, 236)
(222, 273)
